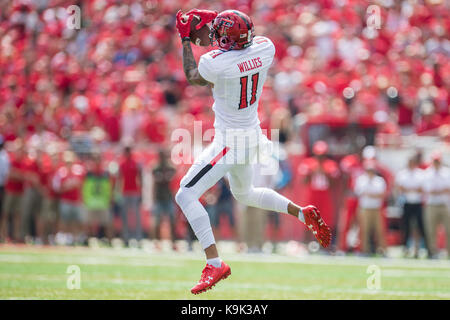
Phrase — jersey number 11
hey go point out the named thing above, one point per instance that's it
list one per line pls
(244, 80)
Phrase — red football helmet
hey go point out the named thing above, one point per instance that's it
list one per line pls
(233, 30)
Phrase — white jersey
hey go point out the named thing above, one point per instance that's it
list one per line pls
(436, 180)
(411, 179)
(238, 77)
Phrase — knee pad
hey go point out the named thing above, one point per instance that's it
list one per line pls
(184, 197)
(193, 210)
(246, 198)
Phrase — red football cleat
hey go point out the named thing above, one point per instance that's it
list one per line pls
(210, 276)
(318, 227)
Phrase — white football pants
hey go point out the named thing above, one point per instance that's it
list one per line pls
(212, 164)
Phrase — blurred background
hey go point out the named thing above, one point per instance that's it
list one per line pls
(86, 117)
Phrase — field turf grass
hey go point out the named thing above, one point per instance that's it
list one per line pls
(41, 273)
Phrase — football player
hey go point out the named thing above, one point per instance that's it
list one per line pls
(236, 72)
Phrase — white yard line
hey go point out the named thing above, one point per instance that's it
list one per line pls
(320, 260)
(171, 285)
(138, 257)
(84, 260)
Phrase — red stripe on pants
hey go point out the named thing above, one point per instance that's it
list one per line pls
(219, 156)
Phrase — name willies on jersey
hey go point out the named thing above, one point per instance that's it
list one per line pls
(250, 64)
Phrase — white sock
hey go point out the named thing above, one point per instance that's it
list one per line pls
(301, 217)
(215, 262)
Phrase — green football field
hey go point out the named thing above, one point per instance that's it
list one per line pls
(42, 273)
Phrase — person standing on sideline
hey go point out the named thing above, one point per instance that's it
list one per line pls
(163, 175)
(97, 197)
(351, 167)
(436, 186)
(223, 205)
(371, 190)
(130, 182)
(4, 171)
(409, 184)
(68, 181)
(320, 174)
(13, 193)
(253, 220)
(32, 198)
(50, 202)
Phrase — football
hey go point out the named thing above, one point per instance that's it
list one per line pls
(199, 37)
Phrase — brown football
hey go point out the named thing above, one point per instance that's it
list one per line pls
(199, 37)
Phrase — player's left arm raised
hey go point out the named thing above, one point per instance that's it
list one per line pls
(189, 63)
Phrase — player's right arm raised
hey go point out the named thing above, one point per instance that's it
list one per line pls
(189, 64)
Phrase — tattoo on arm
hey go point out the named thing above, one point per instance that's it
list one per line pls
(190, 66)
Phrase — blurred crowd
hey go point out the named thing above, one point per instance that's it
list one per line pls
(120, 75)
(69, 94)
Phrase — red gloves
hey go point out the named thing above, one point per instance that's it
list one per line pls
(184, 27)
(205, 16)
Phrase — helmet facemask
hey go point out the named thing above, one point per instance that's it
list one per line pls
(218, 34)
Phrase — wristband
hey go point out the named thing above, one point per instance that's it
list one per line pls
(185, 38)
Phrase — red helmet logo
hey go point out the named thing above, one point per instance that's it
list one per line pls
(227, 23)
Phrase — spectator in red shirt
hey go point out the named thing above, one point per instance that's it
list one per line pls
(155, 126)
(319, 174)
(130, 183)
(111, 123)
(68, 181)
(13, 193)
(32, 196)
(50, 202)
(352, 168)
